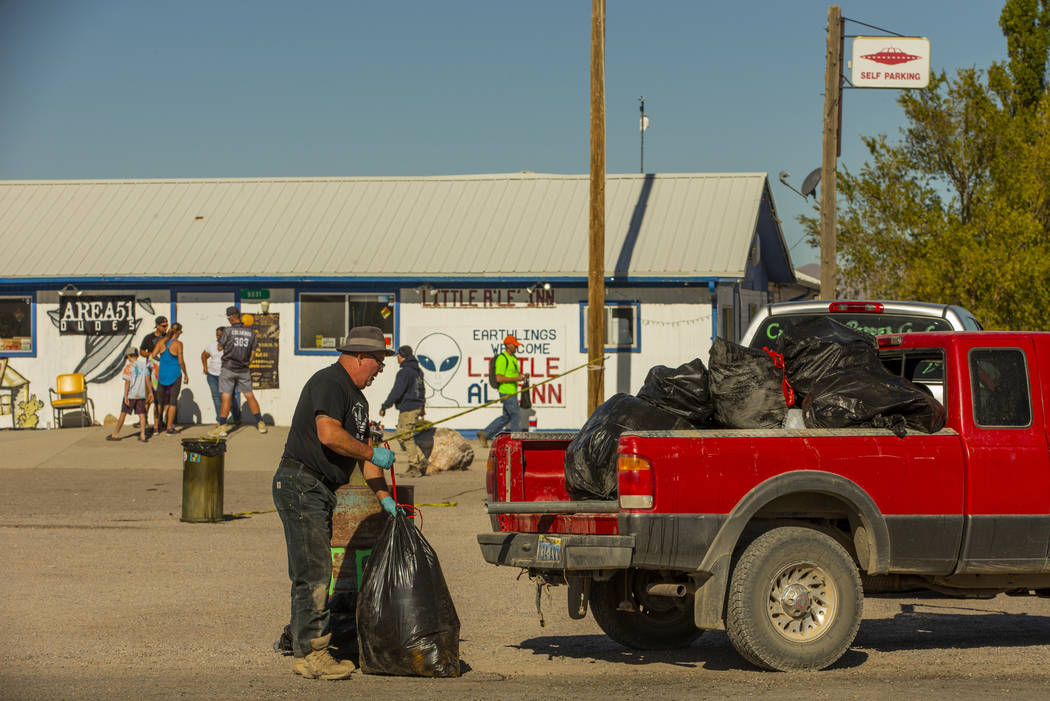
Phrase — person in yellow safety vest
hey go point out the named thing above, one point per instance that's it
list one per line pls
(509, 376)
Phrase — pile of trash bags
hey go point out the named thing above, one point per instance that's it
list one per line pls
(670, 399)
(826, 375)
(841, 383)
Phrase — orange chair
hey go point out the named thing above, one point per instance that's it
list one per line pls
(71, 394)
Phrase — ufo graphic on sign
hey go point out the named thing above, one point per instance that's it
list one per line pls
(890, 62)
(890, 56)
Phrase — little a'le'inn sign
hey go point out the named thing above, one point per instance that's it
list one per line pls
(96, 315)
(890, 62)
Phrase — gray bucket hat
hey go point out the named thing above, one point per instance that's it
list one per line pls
(366, 339)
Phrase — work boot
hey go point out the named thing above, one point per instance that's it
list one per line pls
(483, 439)
(319, 663)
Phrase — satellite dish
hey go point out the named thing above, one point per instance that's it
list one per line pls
(809, 185)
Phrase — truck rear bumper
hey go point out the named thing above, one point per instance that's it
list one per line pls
(557, 551)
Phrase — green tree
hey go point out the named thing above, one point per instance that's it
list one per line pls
(958, 210)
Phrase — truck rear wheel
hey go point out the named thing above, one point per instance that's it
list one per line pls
(659, 623)
(795, 600)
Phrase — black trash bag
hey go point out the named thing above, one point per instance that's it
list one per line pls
(877, 398)
(822, 346)
(406, 621)
(590, 459)
(684, 391)
(747, 388)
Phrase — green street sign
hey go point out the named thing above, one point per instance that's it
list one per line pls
(255, 294)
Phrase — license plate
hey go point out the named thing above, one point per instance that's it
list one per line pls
(548, 549)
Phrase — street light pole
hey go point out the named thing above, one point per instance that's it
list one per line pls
(641, 129)
(832, 144)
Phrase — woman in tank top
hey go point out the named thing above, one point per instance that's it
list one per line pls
(170, 375)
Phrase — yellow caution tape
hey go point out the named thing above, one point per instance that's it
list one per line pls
(426, 426)
(444, 503)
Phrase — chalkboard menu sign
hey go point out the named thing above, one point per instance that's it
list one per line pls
(264, 367)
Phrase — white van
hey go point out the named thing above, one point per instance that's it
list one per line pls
(875, 317)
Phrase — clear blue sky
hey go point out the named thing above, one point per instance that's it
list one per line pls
(261, 88)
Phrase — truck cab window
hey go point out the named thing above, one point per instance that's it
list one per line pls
(999, 384)
(923, 367)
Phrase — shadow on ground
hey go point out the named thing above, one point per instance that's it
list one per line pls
(926, 626)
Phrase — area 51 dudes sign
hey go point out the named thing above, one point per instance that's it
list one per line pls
(96, 315)
(890, 62)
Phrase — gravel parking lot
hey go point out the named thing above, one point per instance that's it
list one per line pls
(108, 594)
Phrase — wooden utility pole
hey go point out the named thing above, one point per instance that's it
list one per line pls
(832, 142)
(596, 269)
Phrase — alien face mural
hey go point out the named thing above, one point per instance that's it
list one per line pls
(440, 357)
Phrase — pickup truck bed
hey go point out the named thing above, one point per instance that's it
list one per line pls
(771, 533)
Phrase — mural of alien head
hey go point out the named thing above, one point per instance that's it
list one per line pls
(439, 356)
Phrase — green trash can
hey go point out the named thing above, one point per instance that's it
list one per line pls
(202, 466)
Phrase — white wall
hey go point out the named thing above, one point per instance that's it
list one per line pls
(675, 327)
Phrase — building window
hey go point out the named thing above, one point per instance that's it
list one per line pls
(621, 327)
(16, 325)
(999, 384)
(325, 318)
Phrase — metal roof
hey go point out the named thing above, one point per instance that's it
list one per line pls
(517, 225)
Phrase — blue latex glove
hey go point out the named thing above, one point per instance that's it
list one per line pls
(383, 458)
(389, 505)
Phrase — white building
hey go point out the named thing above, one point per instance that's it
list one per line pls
(448, 265)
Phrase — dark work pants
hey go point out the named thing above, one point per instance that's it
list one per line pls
(305, 506)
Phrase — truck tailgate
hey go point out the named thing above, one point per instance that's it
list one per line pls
(528, 491)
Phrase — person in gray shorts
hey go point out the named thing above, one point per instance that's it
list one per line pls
(238, 345)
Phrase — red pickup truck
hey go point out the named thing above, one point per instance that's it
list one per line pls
(775, 535)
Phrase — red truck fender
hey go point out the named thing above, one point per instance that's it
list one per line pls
(870, 534)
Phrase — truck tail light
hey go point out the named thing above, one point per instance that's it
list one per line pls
(490, 476)
(636, 482)
(857, 307)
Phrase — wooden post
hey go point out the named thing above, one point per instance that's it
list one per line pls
(596, 269)
(829, 163)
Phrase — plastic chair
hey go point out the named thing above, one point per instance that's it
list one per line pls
(71, 394)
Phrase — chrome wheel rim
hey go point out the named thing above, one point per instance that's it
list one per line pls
(802, 602)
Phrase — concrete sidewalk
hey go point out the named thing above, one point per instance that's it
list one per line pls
(87, 448)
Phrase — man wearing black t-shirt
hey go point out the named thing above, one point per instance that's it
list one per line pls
(329, 438)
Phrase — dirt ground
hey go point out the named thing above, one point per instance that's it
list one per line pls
(106, 594)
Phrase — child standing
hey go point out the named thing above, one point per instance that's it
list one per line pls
(136, 389)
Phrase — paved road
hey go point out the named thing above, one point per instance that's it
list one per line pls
(106, 594)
